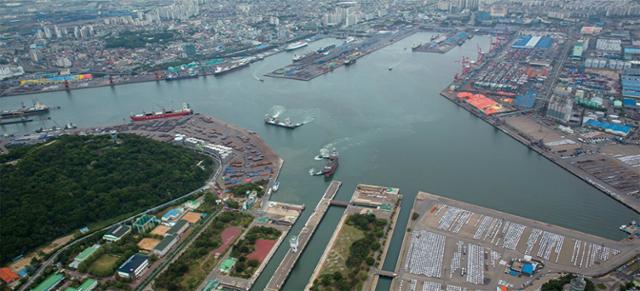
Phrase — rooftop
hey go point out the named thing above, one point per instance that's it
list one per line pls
(131, 264)
(50, 282)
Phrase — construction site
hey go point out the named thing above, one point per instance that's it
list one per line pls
(454, 245)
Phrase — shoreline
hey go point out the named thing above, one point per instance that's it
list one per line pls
(587, 178)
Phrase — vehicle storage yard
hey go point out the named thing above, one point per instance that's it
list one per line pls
(463, 246)
(247, 156)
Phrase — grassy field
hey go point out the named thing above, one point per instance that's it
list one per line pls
(105, 264)
(340, 252)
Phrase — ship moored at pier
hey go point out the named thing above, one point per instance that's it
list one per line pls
(163, 114)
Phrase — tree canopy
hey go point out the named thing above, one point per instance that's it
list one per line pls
(49, 190)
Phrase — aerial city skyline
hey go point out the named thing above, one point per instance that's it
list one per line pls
(319, 145)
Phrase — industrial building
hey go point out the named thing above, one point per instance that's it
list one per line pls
(116, 233)
(560, 108)
(134, 266)
(630, 81)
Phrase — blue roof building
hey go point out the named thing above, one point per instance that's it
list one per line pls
(134, 266)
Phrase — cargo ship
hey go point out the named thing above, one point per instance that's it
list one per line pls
(37, 108)
(296, 45)
(163, 114)
(223, 69)
(273, 120)
(14, 121)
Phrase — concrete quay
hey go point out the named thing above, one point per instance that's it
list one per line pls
(453, 244)
(288, 262)
(607, 189)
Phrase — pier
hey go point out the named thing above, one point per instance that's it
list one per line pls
(288, 262)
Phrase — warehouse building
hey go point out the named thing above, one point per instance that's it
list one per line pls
(630, 81)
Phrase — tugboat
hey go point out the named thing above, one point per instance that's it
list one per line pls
(274, 120)
(331, 166)
(163, 114)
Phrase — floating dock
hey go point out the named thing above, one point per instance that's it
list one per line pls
(288, 262)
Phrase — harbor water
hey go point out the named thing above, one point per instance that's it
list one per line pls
(390, 127)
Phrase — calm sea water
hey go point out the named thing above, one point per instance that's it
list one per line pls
(390, 127)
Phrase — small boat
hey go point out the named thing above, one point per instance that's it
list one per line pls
(275, 186)
(349, 62)
(390, 68)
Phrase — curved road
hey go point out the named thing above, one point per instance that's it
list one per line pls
(55, 255)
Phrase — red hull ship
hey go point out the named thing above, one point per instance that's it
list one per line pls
(163, 114)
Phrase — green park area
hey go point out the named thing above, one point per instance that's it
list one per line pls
(53, 189)
(348, 262)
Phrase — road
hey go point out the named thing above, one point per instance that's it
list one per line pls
(176, 253)
(55, 255)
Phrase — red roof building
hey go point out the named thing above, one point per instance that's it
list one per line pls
(8, 276)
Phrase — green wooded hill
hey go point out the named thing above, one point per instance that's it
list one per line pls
(50, 190)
